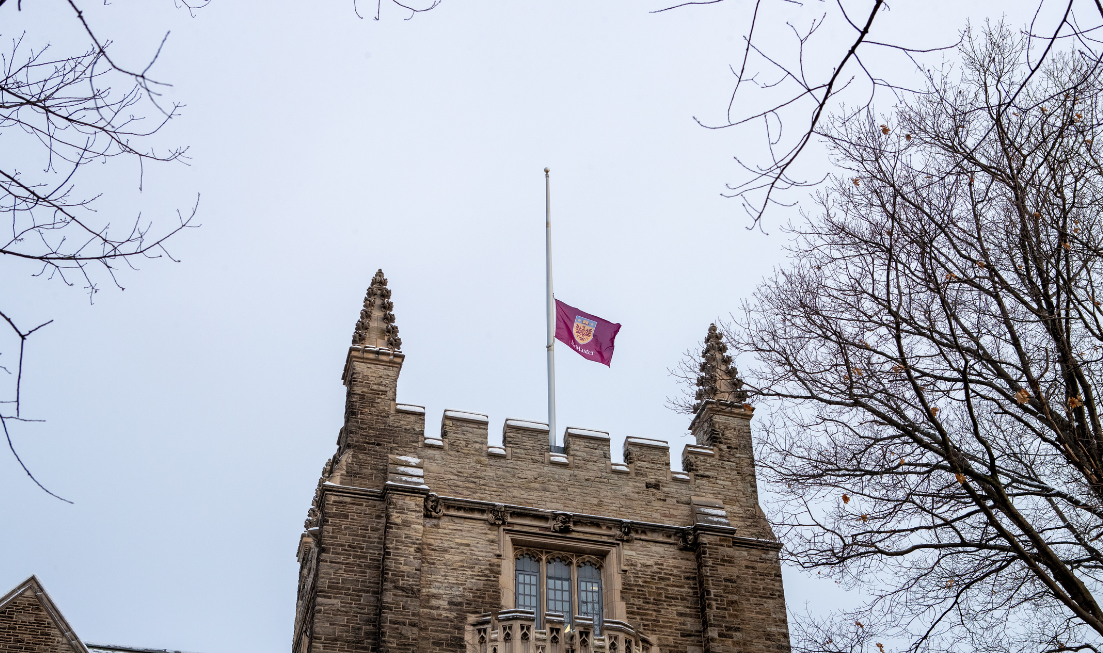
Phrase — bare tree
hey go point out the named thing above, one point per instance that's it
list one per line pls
(62, 109)
(932, 359)
(784, 91)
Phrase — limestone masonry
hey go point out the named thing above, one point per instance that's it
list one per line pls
(433, 540)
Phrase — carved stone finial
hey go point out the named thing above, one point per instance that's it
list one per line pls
(718, 380)
(376, 327)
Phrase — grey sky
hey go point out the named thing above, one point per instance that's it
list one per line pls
(189, 416)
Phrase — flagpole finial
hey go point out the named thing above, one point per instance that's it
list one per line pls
(546, 171)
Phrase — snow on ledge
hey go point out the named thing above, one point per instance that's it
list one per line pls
(648, 442)
(525, 424)
(434, 442)
(715, 512)
(559, 459)
(419, 484)
(619, 467)
(463, 414)
(410, 408)
(587, 433)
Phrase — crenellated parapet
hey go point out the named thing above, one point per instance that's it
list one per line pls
(583, 478)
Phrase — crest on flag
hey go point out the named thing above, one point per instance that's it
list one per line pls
(584, 330)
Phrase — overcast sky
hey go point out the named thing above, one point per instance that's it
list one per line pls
(188, 417)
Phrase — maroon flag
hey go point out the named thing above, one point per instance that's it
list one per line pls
(589, 335)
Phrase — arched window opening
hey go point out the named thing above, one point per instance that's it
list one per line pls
(528, 585)
(589, 594)
(559, 588)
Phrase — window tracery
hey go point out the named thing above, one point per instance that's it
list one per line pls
(558, 581)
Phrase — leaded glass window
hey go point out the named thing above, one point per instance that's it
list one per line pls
(589, 594)
(556, 581)
(559, 588)
(528, 584)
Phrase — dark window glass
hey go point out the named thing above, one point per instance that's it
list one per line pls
(589, 594)
(528, 584)
(559, 588)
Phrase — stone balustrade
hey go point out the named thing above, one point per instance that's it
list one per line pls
(514, 631)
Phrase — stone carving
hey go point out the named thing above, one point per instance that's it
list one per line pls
(433, 506)
(497, 514)
(688, 540)
(369, 332)
(719, 379)
(624, 531)
(312, 518)
(562, 522)
(314, 514)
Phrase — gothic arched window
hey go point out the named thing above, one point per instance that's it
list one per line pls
(528, 584)
(559, 587)
(589, 593)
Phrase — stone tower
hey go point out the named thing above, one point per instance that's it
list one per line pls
(439, 541)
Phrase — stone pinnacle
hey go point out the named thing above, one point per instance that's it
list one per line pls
(719, 380)
(376, 327)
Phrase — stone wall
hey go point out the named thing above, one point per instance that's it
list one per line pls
(343, 612)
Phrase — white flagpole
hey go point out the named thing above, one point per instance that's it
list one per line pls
(551, 315)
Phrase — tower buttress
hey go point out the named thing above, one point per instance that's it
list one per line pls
(370, 376)
(722, 422)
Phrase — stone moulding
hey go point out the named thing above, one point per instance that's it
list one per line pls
(742, 410)
(374, 354)
(472, 508)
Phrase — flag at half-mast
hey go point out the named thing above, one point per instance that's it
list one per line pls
(589, 335)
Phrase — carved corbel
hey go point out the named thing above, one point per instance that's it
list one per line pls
(497, 514)
(433, 506)
(562, 522)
